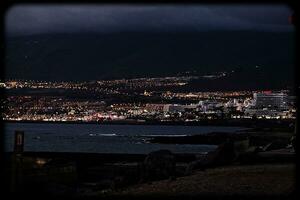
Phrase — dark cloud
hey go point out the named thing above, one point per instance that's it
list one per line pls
(34, 19)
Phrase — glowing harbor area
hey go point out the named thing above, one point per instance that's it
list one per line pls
(141, 99)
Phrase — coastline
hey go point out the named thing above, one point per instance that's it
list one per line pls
(119, 175)
(245, 123)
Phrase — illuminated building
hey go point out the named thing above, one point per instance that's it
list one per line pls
(155, 107)
(276, 101)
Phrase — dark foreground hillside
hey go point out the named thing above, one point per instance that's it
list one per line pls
(251, 180)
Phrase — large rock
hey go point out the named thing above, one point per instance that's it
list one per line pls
(158, 165)
(223, 155)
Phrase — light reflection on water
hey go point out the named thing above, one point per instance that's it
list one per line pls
(98, 138)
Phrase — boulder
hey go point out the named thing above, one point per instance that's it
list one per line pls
(158, 165)
(223, 155)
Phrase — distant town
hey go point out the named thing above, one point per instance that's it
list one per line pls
(141, 99)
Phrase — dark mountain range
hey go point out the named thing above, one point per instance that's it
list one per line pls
(126, 55)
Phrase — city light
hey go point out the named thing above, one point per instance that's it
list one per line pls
(182, 106)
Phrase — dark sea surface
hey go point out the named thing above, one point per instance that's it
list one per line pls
(99, 138)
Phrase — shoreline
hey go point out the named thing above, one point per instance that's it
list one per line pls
(254, 137)
(245, 123)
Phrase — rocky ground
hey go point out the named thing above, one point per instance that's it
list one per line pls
(250, 163)
(244, 180)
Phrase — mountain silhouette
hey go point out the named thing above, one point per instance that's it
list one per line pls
(125, 55)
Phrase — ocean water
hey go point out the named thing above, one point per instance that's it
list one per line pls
(99, 138)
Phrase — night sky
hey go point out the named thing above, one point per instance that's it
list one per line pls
(34, 19)
(92, 42)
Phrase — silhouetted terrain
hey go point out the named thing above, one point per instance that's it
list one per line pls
(124, 55)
